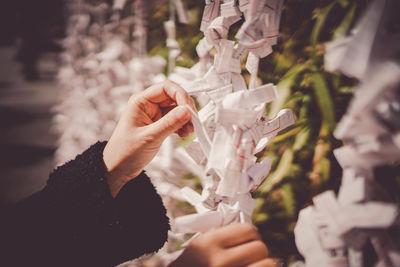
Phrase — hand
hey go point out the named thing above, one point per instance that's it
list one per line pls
(231, 246)
(148, 119)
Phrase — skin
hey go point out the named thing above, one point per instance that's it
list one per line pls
(150, 117)
(235, 245)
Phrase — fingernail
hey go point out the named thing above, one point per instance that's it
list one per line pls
(278, 263)
(182, 113)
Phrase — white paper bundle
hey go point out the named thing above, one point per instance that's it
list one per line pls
(336, 229)
(231, 124)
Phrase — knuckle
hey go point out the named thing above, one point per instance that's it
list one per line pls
(170, 123)
(133, 99)
(174, 86)
(148, 139)
(207, 240)
(202, 241)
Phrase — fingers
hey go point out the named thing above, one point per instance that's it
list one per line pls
(267, 263)
(246, 253)
(170, 123)
(236, 234)
(244, 249)
(186, 129)
(242, 244)
(166, 93)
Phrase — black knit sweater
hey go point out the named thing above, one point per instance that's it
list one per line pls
(74, 221)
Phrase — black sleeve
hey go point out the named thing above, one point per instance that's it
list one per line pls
(74, 221)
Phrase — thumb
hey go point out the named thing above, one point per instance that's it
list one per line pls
(170, 122)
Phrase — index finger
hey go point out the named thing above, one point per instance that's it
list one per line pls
(165, 91)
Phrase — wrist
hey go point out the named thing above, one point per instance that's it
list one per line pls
(116, 179)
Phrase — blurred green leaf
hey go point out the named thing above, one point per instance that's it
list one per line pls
(279, 173)
(301, 139)
(284, 89)
(344, 26)
(324, 100)
(322, 17)
(289, 200)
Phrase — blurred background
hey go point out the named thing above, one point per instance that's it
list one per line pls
(50, 66)
(30, 43)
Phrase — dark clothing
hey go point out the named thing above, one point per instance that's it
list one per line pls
(74, 221)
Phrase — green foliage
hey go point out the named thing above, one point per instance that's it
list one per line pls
(303, 163)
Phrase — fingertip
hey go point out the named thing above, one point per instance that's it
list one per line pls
(171, 122)
(181, 132)
(186, 130)
(181, 95)
(189, 126)
(183, 113)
